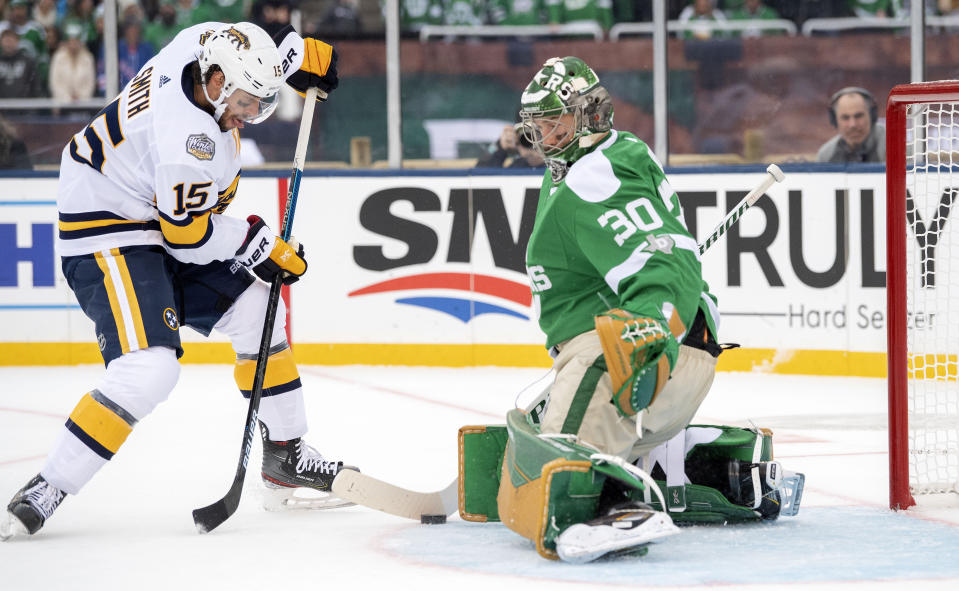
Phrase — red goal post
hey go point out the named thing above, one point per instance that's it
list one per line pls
(922, 239)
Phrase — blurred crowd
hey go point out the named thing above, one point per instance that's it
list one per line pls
(55, 47)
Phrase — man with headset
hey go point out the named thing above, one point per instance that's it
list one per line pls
(853, 111)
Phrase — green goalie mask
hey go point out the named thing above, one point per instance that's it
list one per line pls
(562, 107)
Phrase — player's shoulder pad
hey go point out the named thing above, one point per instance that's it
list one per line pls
(599, 175)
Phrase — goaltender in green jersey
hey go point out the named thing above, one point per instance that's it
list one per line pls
(632, 328)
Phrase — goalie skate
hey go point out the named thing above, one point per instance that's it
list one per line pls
(627, 527)
(296, 476)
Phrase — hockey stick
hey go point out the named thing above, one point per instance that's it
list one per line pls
(209, 517)
(374, 493)
(773, 175)
(365, 490)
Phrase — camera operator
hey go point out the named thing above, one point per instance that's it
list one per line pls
(511, 143)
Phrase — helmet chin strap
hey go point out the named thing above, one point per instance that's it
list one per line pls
(219, 105)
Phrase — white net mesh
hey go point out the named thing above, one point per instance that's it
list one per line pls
(932, 290)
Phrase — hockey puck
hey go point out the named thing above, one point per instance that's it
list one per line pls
(432, 519)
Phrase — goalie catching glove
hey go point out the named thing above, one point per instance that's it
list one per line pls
(639, 353)
(268, 255)
(313, 62)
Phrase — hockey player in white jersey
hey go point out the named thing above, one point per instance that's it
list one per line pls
(146, 247)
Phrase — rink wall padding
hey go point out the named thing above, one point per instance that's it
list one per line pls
(427, 268)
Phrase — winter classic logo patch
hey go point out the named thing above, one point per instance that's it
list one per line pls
(200, 146)
(169, 317)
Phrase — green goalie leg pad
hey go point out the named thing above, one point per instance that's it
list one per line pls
(481, 449)
(707, 465)
(704, 505)
(549, 483)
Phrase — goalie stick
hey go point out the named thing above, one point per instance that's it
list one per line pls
(773, 175)
(209, 517)
(365, 490)
(371, 492)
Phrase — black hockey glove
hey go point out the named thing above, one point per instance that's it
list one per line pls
(314, 60)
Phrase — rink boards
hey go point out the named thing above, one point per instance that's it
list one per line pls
(427, 268)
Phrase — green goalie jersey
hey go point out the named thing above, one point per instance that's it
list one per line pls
(611, 235)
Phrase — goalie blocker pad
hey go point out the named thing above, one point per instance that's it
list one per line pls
(720, 474)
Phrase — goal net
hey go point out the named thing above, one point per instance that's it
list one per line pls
(922, 183)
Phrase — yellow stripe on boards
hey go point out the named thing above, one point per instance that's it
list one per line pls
(280, 369)
(796, 362)
(100, 423)
(132, 301)
(114, 302)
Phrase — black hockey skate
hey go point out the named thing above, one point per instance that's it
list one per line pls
(626, 528)
(293, 466)
(30, 508)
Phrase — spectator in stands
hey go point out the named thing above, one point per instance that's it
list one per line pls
(511, 143)
(45, 13)
(53, 38)
(133, 52)
(73, 69)
(164, 27)
(702, 13)
(517, 12)
(872, 8)
(464, 13)
(223, 11)
(13, 151)
(271, 15)
(575, 11)
(33, 37)
(84, 11)
(19, 77)
(853, 111)
(340, 20)
(186, 13)
(754, 10)
(414, 14)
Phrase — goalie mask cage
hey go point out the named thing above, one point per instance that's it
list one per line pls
(922, 241)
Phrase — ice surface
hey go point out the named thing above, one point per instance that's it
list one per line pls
(131, 528)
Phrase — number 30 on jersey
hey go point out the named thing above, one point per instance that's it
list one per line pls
(640, 215)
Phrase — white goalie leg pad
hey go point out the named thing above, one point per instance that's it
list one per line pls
(136, 383)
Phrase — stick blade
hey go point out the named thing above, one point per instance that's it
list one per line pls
(388, 498)
(210, 517)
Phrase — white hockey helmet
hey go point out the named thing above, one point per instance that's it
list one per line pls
(250, 63)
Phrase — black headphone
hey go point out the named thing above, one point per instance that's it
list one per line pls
(870, 102)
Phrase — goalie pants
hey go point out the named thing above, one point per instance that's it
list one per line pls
(137, 298)
(580, 400)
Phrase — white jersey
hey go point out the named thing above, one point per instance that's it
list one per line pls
(153, 168)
